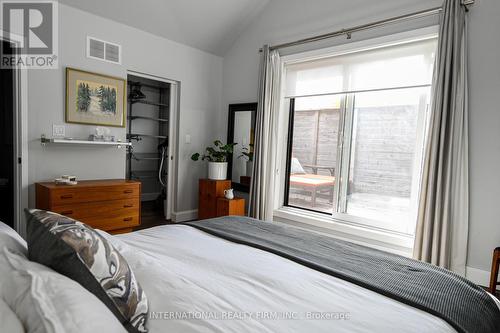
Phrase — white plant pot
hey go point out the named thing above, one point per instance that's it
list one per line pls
(249, 168)
(217, 170)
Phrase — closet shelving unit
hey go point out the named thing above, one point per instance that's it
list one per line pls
(148, 125)
(151, 103)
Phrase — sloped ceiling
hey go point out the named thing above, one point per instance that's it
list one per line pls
(208, 25)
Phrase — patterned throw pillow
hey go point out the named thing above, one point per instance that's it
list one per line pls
(76, 250)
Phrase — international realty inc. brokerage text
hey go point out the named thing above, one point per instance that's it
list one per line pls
(245, 315)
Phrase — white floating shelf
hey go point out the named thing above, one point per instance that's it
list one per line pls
(63, 141)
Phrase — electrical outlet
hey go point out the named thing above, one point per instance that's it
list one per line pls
(58, 131)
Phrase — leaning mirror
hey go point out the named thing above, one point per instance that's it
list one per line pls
(241, 128)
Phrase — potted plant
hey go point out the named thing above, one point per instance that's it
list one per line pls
(217, 157)
(248, 154)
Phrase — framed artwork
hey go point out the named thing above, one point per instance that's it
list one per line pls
(95, 99)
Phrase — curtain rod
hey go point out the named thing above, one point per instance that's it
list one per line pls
(348, 32)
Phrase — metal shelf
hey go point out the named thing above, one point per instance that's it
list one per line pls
(143, 165)
(145, 174)
(65, 141)
(145, 156)
(136, 136)
(150, 194)
(134, 83)
(142, 101)
(149, 118)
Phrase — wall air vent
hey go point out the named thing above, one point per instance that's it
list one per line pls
(102, 50)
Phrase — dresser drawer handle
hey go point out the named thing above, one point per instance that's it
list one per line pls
(67, 196)
(128, 206)
(128, 191)
(68, 212)
(127, 219)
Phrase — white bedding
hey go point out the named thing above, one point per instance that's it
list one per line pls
(198, 277)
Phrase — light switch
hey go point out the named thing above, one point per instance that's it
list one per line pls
(58, 131)
(188, 139)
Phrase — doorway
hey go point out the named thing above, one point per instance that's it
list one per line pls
(151, 128)
(7, 143)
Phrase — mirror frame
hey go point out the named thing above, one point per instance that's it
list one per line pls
(233, 108)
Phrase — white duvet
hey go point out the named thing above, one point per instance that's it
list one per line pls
(196, 282)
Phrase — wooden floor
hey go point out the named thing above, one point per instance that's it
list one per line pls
(151, 215)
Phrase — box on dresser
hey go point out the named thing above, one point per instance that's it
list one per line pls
(111, 205)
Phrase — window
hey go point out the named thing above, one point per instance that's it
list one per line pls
(356, 133)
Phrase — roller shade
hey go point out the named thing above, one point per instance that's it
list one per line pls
(396, 66)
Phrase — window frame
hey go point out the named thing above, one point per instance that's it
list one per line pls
(343, 163)
(351, 227)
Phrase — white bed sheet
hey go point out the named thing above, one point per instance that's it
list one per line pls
(198, 277)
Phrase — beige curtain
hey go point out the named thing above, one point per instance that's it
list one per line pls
(443, 217)
(262, 184)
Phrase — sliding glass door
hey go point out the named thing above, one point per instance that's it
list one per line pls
(357, 155)
(314, 130)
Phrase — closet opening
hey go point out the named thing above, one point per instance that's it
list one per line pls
(150, 128)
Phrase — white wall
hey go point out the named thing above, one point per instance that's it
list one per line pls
(200, 76)
(484, 125)
(288, 20)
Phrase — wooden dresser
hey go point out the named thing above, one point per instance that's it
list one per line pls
(210, 190)
(233, 207)
(110, 205)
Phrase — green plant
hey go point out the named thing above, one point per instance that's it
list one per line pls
(247, 152)
(219, 153)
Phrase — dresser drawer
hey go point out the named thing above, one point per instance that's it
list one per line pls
(113, 223)
(104, 209)
(68, 195)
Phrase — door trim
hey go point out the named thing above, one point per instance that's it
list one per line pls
(20, 141)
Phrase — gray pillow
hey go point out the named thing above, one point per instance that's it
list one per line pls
(76, 250)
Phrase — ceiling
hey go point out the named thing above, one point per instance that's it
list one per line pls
(208, 25)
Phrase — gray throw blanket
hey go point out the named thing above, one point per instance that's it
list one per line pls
(437, 291)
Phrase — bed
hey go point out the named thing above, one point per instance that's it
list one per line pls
(197, 281)
(208, 275)
(200, 272)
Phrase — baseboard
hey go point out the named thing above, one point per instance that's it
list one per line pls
(478, 276)
(184, 216)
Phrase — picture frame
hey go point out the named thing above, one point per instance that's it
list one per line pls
(95, 99)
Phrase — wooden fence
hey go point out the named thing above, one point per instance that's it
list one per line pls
(383, 146)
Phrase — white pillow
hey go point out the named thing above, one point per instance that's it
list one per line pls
(10, 239)
(296, 168)
(48, 302)
(8, 319)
